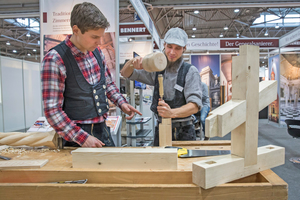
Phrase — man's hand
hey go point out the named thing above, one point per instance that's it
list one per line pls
(164, 110)
(135, 63)
(129, 110)
(93, 142)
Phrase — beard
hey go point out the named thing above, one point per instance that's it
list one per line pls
(174, 64)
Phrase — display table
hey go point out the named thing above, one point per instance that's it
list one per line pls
(170, 184)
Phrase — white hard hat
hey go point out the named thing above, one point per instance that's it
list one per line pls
(176, 36)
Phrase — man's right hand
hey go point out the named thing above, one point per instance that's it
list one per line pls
(135, 63)
(93, 142)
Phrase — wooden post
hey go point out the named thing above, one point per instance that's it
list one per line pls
(165, 127)
(245, 86)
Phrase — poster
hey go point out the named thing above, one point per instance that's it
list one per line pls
(55, 26)
(226, 75)
(274, 75)
(289, 87)
(209, 69)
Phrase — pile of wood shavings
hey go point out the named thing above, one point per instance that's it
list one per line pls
(21, 151)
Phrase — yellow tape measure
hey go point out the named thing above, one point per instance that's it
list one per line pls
(181, 151)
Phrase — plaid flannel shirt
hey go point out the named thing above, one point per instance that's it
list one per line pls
(53, 75)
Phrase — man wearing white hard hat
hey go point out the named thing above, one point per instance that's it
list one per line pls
(182, 87)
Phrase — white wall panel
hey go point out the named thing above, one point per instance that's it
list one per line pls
(1, 105)
(12, 94)
(32, 92)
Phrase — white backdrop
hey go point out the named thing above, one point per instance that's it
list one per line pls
(12, 94)
(32, 92)
(21, 94)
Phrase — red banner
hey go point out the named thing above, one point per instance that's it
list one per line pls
(266, 43)
(133, 29)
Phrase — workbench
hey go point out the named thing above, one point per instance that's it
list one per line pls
(160, 184)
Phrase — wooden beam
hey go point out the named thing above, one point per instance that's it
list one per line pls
(245, 86)
(125, 158)
(222, 169)
(230, 115)
(165, 132)
(267, 93)
(225, 118)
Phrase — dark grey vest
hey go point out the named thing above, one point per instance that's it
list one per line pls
(82, 100)
(179, 99)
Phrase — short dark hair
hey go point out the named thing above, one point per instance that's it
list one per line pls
(88, 17)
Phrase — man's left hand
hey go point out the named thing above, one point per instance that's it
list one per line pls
(129, 110)
(164, 110)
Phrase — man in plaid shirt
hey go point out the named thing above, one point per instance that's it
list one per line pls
(76, 83)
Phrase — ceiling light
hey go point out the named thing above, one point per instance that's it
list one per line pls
(196, 12)
(39, 42)
(277, 26)
(236, 52)
(225, 27)
(7, 43)
(14, 51)
(193, 36)
(221, 35)
(266, 33)
(194, 28)
(34, 50)
(263, 61)
(236, 10)
(237, 35)
(28, 34)
(207, 52)
(28, 54)
(129, 39)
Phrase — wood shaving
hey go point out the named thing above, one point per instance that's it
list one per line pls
(21, 151)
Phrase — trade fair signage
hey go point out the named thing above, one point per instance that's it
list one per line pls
(133, 29)
(292, 36)
(262, 43)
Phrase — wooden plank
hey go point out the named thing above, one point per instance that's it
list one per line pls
(125, 158)
(165, 132)
(267, 93)
(246, 191)
(222, 169)
(105, 191)
(245, 86)
(22, 164)
(225, 118)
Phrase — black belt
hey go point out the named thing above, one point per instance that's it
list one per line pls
(181, 124)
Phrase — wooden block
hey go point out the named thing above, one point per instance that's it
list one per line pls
(222, 169)
(165, 132)
(125, 158)
(225, 118)
(22, 164)
(267, 93)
